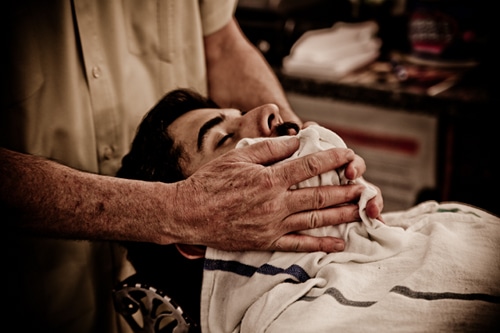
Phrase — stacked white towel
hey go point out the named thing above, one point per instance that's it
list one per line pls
(334, 52)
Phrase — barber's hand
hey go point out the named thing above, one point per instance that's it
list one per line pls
(374, 206)
(242, 200)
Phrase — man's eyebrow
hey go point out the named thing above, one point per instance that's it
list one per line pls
(206, 127)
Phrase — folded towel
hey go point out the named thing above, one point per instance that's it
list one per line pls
(333, 52)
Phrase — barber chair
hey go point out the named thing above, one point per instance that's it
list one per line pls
(164, 294)
(150, 310)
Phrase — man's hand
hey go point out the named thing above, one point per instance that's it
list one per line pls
(375, 205)
(242, 200)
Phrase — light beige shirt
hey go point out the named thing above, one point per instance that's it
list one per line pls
(83, 73)
(79, 76)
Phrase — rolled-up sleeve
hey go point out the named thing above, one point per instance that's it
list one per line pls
(216, 14)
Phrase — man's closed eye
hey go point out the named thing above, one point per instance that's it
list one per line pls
(224, 139)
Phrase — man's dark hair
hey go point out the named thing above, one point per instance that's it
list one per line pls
(153, 157)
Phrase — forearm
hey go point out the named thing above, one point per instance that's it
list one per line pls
(239, 76)
(47, 198)
(50, 199)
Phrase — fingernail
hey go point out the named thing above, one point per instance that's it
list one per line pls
(339, 246)
(355, 175)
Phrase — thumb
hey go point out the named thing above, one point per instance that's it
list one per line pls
(267, 152)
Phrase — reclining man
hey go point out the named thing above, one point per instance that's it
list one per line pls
(235, 289)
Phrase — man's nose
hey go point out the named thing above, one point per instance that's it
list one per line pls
(259, 122)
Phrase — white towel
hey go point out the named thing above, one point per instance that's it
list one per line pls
(333, 52)
(433, 268)
(369, 239)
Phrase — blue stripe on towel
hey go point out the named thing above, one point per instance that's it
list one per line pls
(246, 270)
(294, 270)
(229, 266)
(335, 293)
(432, 296)
(407, 292)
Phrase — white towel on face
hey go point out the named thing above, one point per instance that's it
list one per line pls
(367, 238)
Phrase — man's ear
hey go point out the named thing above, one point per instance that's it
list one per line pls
(191, 251)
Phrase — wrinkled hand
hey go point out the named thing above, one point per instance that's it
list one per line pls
(242, 200)
(374, 206)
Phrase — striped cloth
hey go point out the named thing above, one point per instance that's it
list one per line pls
(433, 268)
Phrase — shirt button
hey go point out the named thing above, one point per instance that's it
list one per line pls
(96, 72)
(108, 152)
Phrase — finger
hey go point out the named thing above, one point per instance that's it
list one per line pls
(356, 168)
(312, 198)
(304, 243)
(320, 218)
(294, 171)
(375, 205)
(266, 152)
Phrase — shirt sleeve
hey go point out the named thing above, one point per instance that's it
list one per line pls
(215, 14)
